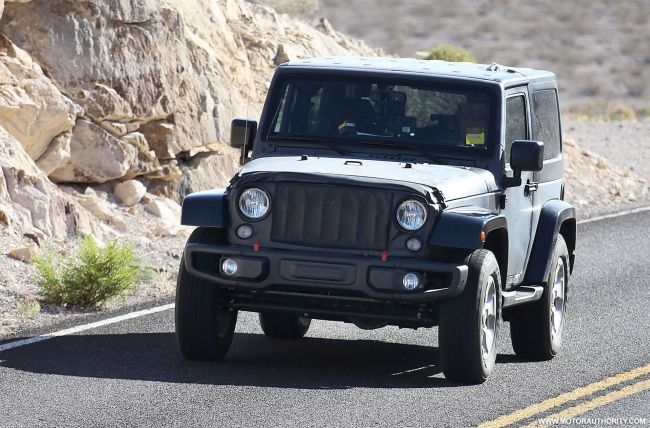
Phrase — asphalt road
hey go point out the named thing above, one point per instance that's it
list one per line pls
(130, 373)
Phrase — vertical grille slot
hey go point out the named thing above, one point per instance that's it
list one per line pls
(331, 216)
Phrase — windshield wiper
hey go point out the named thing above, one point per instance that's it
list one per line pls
(416, 149)
(330, 144)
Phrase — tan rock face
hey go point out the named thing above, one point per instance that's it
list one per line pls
(30, 203)
(151, 76)
(207, 171)
(32, 109)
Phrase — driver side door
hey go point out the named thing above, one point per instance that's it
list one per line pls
(519, 204)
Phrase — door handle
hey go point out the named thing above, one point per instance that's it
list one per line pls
(530, 187)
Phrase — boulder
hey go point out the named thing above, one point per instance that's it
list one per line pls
(97, 157)
(56, 155)
(24, 253)
(145, 161)
(130, 192)
(165, 208)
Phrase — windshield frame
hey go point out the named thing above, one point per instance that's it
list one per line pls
(460, 84)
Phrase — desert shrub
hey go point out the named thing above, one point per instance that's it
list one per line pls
(449, 53)
(96, 275)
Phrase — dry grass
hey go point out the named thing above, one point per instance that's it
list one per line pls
(601, 110)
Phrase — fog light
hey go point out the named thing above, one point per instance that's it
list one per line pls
(229, 267)
(411, 281)
(414, 244)
(245, 231)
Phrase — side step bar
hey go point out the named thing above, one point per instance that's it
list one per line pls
(523, 294)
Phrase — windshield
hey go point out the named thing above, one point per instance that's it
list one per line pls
(350, 111)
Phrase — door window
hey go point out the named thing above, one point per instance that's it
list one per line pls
(516, 128)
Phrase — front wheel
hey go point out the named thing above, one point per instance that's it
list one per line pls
(469, 324)
(536, 328)
(203, 331)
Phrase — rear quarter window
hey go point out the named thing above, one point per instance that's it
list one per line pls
(546, 122)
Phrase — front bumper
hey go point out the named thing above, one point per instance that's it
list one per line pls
(338, 274)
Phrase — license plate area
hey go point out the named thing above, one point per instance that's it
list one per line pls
(335, 273)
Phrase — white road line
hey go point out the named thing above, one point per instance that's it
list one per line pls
(84, 327)
(137, 314)
(614, 215)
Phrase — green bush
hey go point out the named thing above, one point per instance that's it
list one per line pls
(449, 53)
(97, 274)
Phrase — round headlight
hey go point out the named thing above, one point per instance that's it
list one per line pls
(411, 214)
(254, 203)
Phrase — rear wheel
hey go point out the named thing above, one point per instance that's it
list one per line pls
(284, 326)
(536, 329)
(203, 331)
(469, 324)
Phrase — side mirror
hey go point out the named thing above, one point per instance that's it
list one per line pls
(525, 155)
(242, 136)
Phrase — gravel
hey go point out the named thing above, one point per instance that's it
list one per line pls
(607, 165)
(625, 144)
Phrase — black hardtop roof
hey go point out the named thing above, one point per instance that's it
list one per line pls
(462, 70)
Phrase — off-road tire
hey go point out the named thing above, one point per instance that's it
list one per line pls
(284, 326)
(530, 324)
(203, 332)
(461, 323)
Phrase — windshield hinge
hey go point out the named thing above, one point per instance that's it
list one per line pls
(441, 198)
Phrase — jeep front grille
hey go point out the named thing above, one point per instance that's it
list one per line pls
(331, 216)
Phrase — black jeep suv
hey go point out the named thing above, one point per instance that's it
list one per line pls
(389, 192)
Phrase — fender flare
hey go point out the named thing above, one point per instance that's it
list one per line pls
(556, 217)
(206, 208)
(462, 227)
